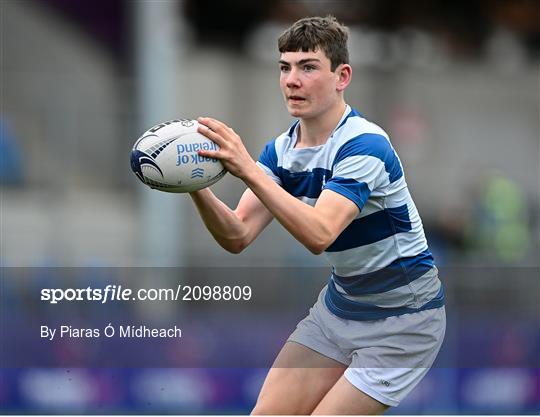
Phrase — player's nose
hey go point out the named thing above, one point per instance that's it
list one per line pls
(293, 79)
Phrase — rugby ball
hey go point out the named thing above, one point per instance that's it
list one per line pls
(166, 158)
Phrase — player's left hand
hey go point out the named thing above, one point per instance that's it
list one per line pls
(232, 153)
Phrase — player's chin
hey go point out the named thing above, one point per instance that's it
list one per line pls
(295, 111)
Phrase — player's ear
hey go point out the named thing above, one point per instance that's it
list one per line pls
(343, 76)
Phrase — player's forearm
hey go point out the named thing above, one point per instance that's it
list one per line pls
(222, 222)
(300, 219)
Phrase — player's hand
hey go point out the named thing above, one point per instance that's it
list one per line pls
(232, 153)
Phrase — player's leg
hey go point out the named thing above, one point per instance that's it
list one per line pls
(399, 353)
(346, 399)
(297, 382)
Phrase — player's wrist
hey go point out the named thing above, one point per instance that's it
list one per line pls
(198, 194)
(250, 174)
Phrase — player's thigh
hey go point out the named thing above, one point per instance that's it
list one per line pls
(346, 399)
(298, 380)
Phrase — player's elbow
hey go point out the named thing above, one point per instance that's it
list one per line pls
(320, 244)
(234, 249)
(315, 250)
(235, 246)
(318, 247)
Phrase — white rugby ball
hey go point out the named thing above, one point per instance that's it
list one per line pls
(165, 158)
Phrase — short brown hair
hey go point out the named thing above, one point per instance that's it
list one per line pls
(314, 33)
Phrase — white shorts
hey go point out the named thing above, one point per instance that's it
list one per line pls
(386, 358)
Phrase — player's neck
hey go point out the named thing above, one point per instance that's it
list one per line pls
(316, 131)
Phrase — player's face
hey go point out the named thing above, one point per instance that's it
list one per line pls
(308, 84)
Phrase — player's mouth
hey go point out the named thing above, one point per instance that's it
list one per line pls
(296, 99)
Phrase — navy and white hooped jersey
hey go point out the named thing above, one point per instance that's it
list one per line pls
(381, 264)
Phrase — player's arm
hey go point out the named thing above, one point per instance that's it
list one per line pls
(315, 227)
(234, 230)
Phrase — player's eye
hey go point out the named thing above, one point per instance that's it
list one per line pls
(284, 68)
(309, 68)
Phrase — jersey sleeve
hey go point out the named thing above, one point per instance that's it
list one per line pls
(268, 161)
(361, 165)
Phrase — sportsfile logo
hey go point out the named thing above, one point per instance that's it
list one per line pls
(110, 293)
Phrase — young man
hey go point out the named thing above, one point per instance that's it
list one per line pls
(335, 183)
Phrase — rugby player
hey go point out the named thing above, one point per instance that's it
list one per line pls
(334, 181)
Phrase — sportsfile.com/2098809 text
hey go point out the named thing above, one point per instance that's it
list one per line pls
(119, 293)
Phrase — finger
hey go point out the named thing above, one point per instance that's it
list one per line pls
(210, 154)
(212, 123)
(211, 134)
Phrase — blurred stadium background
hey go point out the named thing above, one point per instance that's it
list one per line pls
(456, 85)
